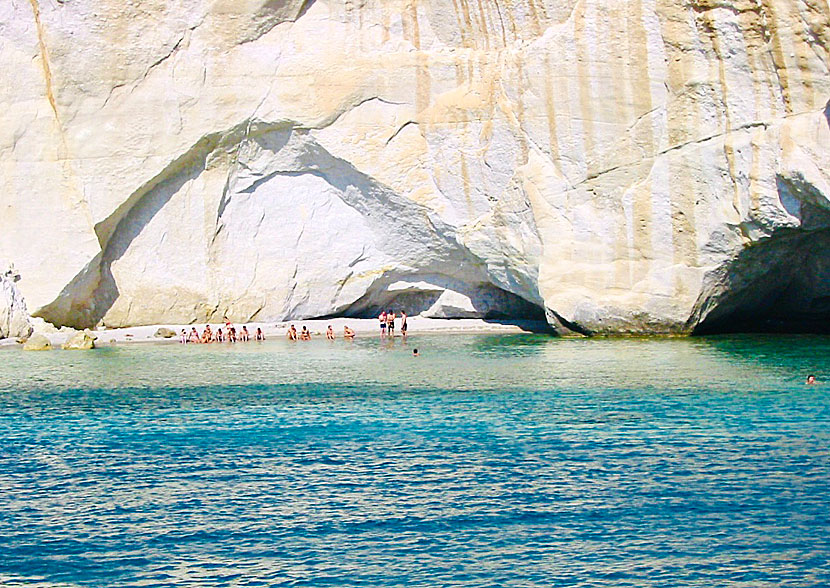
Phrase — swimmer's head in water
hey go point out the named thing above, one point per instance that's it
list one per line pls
(811, 379)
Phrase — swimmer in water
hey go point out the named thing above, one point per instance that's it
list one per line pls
(811, 380)
(259, 336)
(348, 333)
(305, 335)
(245, 335)
(415, 353)
(330, 333)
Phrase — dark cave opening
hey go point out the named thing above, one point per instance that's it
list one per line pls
(780, 285)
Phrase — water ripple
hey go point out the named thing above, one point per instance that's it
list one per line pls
(488, 461)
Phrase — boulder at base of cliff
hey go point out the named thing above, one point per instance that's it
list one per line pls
(164, 333)
(80, 341)
(37, 342)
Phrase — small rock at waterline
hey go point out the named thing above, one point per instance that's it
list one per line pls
(164, 333)
(37, 342)
(82, 340)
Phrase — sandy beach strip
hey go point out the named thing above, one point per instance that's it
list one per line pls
(362, 327)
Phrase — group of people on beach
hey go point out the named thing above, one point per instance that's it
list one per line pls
(387, 323)
(305, 334)
(230, 335)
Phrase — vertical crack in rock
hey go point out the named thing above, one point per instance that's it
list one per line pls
(44, 59)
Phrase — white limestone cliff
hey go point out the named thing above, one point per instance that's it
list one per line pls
(625, 166)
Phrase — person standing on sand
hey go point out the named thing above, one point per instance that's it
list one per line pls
(382, 319)
(403, 324)
(348, 333)
(390, 323)
(330, 333)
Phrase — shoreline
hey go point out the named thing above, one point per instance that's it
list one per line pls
(278, 329)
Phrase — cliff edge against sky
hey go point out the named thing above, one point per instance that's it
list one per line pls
(620, 166)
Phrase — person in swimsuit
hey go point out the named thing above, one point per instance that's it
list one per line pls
(382, 319)
(207, 335)
(305, 335)
(259, 336)
(292, 333)
(348, 333)
(183, 337)
(390, 323)
(811, 380)
(220, 336)
(330, 333)
(245, 336)
(415, 353)
(403, 324)
(194, 335)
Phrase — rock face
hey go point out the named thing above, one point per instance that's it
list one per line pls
(618, 166)
(14, 319)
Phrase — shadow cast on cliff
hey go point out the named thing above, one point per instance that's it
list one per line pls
(85, 301)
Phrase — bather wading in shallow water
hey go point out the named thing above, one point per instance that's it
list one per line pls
(291, 333)
(382, 319)
(305, 335)
(330, 333)
(348, 333)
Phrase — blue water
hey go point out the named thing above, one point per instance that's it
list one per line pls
(488, 461)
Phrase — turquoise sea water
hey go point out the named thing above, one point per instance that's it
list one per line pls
(488, 461)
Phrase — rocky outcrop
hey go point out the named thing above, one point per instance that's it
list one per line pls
(164, 333)
(627, 166)
(14, 318)
(80, 341)
(37, 342)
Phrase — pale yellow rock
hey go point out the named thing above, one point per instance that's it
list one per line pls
(37, 342)
(610, 162)
(82, 340)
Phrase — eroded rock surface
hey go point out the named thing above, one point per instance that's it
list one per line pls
(618, 166)
(14, 318)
